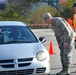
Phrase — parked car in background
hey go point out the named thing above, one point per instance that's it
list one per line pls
(21, 51)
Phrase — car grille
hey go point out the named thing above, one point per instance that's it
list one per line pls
(15, 63)
(17, 72)
(40, 70)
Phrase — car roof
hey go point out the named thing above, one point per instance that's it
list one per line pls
(12, 23)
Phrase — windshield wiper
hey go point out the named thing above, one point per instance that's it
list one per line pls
(18, 41)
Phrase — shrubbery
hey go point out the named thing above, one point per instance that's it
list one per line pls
(12, 12)
(16, 12)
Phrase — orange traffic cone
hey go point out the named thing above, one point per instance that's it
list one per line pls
(51, 49)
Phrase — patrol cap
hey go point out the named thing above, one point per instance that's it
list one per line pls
(47, 15)
(74, 5)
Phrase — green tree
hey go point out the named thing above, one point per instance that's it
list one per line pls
(22, 12)
(67, 9)
(36, 16)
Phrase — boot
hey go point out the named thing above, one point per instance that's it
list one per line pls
(64, 71)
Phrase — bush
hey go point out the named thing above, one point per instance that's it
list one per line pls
(16, 12)
(12, 12)
(36, 16)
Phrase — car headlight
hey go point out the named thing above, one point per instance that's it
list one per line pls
(41, 56)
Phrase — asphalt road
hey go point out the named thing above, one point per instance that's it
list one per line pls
(55, 58)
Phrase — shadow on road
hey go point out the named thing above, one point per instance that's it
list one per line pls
(55, 70)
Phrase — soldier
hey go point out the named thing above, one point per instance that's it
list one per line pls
(65, 38)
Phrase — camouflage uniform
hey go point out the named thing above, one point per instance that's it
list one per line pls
(64, 33)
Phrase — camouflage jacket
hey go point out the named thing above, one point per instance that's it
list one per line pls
(62, 30)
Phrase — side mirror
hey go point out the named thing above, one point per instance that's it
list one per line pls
(42, 39)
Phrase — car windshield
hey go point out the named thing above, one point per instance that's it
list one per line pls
(16, 34)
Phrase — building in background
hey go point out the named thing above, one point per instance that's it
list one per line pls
(3, 4)
(44, 3)
(54, 2)
(41, 3)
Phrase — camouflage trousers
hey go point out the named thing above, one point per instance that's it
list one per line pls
(66, 54)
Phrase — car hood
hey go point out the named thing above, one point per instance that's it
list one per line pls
(13, 51)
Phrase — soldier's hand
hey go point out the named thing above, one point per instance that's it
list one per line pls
(65, 44)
